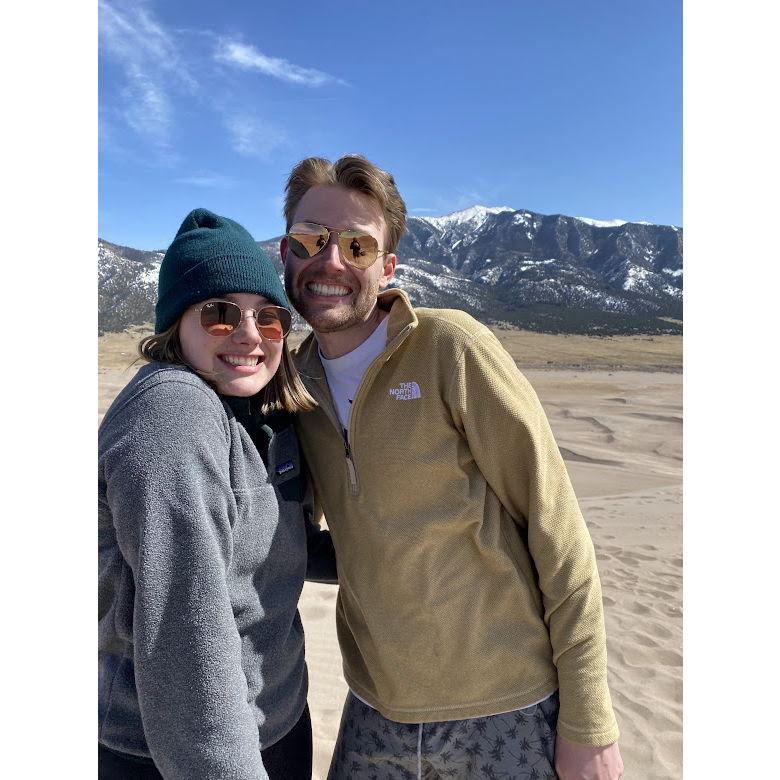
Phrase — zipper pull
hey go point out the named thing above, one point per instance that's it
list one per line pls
(350, 462)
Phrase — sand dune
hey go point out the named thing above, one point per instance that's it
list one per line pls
(621, 435)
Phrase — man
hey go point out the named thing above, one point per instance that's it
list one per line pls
(469, 612)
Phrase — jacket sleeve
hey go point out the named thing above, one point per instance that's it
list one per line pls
(498, 412)
(169, 490)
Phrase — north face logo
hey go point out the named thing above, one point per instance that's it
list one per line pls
(406, 391)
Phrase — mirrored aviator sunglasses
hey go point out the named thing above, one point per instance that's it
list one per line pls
(221, 318)
(358, 248)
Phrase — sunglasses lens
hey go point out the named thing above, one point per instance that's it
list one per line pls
(359, 249)
(220, 318)
(305, 239)
(273, 322)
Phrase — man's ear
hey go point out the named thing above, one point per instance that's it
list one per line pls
(283, 248)
(388, 269)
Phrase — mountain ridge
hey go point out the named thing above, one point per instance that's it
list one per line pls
(551, 273)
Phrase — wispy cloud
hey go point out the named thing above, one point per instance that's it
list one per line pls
(159, 74)
(130, 32)
(247, 57)
(151, 65)
(254, 137)
(146, 107)
(467, 198)
(207, 179)
(461, 197)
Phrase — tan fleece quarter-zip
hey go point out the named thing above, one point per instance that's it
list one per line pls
(468, 580)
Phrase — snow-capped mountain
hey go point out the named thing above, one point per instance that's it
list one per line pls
(472, 218)
(544, 272)
(549, 272)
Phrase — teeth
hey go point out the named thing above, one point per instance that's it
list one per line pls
(328, 289)
(239, 360)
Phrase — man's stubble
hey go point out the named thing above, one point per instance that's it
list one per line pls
(331, 319)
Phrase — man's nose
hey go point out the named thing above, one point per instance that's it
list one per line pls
(330, 255)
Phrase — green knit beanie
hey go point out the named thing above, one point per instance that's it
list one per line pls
(212, 256)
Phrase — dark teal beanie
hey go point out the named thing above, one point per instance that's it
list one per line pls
(212, 256)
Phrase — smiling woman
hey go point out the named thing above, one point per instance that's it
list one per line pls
(198, 339)
(204, 537)
(214, 255)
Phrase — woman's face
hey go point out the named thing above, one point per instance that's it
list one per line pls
(241, 363)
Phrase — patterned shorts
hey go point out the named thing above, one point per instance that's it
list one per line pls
(512, 746)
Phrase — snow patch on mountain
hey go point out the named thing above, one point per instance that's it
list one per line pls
(475, 216)
(602, 222)
(636, 278)
(153, 273)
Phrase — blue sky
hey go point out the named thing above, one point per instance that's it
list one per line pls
(570, 107)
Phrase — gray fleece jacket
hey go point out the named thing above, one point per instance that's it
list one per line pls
(201, 563)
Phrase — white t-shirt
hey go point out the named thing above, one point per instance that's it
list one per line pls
(344, 373)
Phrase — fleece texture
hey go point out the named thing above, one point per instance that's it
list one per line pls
(201, 563)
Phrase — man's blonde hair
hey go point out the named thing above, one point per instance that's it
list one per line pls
(284, 391)
(355, 173)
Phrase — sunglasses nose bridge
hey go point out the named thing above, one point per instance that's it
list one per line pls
(251, 329)
(331, 252)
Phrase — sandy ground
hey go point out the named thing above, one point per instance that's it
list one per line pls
(621, 435)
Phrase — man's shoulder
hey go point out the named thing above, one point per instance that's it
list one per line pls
(451, 324)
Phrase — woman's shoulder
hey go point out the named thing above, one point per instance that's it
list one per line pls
(160, 389)
(158, 374)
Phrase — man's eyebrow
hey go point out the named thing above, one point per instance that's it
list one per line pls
(330, 227)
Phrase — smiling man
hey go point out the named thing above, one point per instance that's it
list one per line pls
(469, 612)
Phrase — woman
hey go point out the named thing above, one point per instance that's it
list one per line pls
(202, 536)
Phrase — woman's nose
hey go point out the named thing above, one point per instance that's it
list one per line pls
(247, 331)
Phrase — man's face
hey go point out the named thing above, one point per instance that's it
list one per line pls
(329, 293)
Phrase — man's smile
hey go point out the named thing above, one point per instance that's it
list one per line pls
(328, 290)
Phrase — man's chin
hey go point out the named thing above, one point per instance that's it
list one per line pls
(331, 321)
(324, 317)
(329, 316)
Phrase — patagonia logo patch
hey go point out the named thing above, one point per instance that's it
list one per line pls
(285, 467)
(406, 391)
